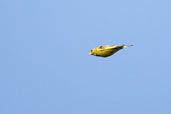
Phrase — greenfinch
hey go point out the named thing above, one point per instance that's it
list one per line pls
(107, 50)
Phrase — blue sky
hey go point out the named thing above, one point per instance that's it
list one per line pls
(45, 67)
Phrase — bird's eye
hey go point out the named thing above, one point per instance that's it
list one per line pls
(91, 50)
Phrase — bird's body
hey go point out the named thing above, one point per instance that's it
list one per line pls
(107, 50)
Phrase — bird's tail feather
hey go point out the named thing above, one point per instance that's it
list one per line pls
(124, 46)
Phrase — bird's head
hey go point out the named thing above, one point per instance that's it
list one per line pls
(92, 52)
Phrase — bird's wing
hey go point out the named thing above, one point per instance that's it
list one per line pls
(113, 47)
(105, 48)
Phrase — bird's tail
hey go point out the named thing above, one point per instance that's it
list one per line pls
(124, 46)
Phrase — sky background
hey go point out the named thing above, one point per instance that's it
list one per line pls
(45, 67)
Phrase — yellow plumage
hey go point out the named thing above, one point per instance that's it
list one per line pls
(107, 50)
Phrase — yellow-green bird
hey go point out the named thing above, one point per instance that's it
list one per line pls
(107, 50)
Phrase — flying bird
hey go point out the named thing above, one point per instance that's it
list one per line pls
(107, 50)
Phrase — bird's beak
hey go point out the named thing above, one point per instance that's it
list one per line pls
(89, 53)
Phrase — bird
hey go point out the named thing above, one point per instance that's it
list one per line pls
(107, 50)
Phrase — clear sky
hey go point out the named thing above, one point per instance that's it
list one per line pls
(46, 69)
